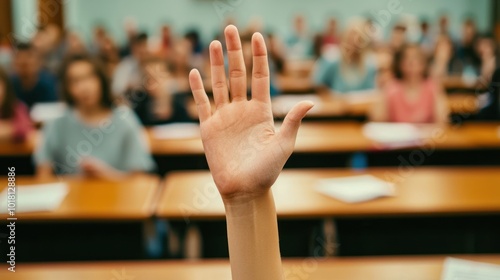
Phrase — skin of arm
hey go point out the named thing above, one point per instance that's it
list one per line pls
(378, 112)
(441, 107)
(245, 153)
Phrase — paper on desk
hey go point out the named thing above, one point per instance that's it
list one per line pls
(393, 134)
(36, 198)
(284, 103)
(43, 112)
(177, 131)
(456, 269)
(355, 188)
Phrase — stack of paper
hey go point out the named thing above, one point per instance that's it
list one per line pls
(455, 269)
(43, 112)
(36, 198)
(355, 188)
(177, 131)
(393, 134)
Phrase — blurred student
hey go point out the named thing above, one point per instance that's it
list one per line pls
(412, 96)
(48, 42)
(441, 60)
(157, 102)
(299, 44)
(466, 60)
(426, 40)
(32, 84)
(330, 36)
(74, 44)
(93, 137)
(398, 37)
(15, 123)
(487, 51)
(130, 27)
(127, 75)
(491, 109)
(353, 70)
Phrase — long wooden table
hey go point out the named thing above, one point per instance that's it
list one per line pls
(321, 137)
(96, 200)
(419, 192)
(357, 268)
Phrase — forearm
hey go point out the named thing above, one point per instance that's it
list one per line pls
(253, 238)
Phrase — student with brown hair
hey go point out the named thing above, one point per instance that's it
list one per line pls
(93, 137)
(412, 96)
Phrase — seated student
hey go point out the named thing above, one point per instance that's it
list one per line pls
(237, 128)
(411, 96)
(127, 74)
(299, 44)
(491, 110)
(157, 101)
(15, 123)
(352, 70)
(93, 137)
(32, 84)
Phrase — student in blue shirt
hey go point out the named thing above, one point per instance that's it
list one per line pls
(93, 137)
(352, 70)
(31, 84)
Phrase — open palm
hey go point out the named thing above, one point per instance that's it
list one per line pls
(244, 152)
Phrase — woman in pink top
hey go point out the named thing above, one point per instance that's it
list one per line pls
(15, 123)
(411, 97)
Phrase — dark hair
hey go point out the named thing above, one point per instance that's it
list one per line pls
(24, 46)
(139, 38)
(398, 59)
(9, 100)
(106, 96)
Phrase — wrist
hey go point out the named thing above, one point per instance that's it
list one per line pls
(249, 204)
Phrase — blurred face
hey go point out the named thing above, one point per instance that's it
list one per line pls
(300, 25)
(156, 75)
(413, 63)
(84, 85)
(140, 51)
(469, 31)
(26, 63)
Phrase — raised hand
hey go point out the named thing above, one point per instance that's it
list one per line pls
(244, 152)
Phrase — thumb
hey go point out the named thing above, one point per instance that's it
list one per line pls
(291, 124)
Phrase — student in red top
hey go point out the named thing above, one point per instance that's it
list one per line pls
(15, 123)
(412, 97)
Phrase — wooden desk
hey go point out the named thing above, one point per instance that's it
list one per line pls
(356, 268)
(423, 192)
(93, 199)
(25, 148)
(353, 106)
(323, 137)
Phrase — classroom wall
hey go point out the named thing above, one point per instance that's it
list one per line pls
(208, 15)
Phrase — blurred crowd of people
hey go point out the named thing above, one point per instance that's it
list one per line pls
(147, 73)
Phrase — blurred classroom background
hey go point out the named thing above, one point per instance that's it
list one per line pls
(399, 157)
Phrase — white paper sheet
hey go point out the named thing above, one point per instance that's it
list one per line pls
(283, 103)
(393, 134)
(177, 131)
(456, 269)
(43, 112)
(355, 188)
(36, 198)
